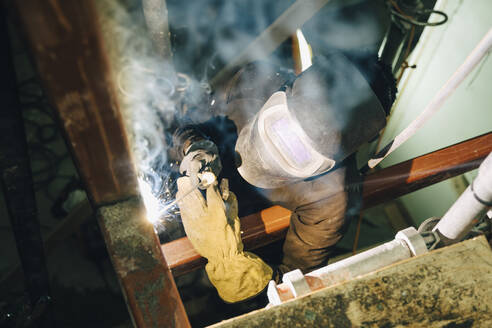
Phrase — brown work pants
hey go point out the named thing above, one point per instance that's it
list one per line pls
(321, 209)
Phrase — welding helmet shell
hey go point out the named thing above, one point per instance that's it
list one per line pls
(309, 127)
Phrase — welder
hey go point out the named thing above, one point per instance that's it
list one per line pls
(296, 139)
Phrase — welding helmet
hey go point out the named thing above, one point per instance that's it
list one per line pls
(307, 128)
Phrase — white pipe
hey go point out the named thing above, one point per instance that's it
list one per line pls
(447, 89)
(461, 217)
(362, 263)
(407, 243)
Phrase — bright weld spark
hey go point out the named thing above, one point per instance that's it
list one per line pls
(155, 208)
(152, 205)
(304, 50)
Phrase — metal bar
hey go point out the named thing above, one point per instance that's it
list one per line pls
(407, 243)
(17, 185)
(147, 282)
(463, 215)
(67, 45)
(420, 172)
(344, 270)
(65, 39)
(389, 183)
(155, 12)
(281, 29)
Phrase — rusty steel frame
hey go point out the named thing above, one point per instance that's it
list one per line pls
(67, 46)
(271, 224)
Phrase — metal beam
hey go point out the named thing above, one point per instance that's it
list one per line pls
(156, 16)
(281, 29)
(420, 172)
(65, 39)
(67, 45)
(272, 37)
(389, 183)
(17, 185)
(146, 280)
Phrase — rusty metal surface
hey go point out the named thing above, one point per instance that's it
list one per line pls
(449, 287)
(271, 224)
(147, 282)
(66, 43)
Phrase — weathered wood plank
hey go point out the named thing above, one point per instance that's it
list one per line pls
(448, 287)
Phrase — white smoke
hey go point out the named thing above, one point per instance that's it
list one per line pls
(155, 99)
(149, 94)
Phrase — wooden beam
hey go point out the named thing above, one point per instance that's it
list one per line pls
(68, 48)
(389, 183)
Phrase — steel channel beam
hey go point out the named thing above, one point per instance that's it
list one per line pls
(68, 49)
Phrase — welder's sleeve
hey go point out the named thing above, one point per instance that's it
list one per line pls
(213, 228)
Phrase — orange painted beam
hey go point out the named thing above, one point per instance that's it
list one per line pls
(406, 177)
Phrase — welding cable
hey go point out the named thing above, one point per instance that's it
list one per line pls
(405, 64)
(473, 59)
(415, 22)
(395, 10)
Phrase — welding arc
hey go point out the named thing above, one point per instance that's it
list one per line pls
(446, 90)
(206, 180)
(174, 202)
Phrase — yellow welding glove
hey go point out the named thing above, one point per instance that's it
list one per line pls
(213, 228)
